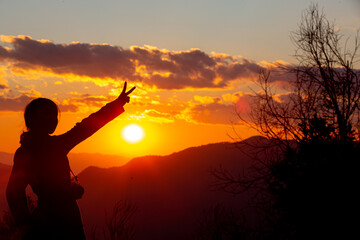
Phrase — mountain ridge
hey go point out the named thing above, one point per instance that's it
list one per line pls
(79, 161)
(171, 192)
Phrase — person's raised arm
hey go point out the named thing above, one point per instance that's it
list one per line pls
(95, 121)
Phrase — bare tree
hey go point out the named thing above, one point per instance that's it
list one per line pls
(316, 126)
(324, 84)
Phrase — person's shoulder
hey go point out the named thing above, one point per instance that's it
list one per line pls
(20, 150)
(21, 155)
(54, 139)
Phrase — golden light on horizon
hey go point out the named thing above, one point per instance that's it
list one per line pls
(133, 133)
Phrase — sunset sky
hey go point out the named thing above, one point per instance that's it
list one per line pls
(193, 62)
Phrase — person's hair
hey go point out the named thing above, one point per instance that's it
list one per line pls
(41, 114)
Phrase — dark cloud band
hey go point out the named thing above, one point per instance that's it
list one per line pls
(154, 67)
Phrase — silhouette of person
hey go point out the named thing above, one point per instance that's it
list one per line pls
(41, 162)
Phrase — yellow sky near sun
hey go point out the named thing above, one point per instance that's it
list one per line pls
(160, 138)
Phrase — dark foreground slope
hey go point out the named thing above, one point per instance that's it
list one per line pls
(171, 192)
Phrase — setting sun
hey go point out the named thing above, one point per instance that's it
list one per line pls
(133, 133)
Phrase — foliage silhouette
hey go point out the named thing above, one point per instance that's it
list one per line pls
(118, 223)
(219, 222)
(9, 229)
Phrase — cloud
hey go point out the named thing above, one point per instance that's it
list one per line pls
(158, 68)
(157, 116)
(15, 104)
(92, 60)
(210, 110)
(213, 113)
(219, 110)
(83, 103)
(3, 81)
(243, 103)
(239, 70)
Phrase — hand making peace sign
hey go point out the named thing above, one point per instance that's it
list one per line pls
(124, 96)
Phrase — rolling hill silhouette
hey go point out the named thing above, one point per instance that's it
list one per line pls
(79, 161)
(6, 158)
(170, 192)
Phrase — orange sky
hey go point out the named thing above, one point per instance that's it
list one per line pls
(183, 98)
(188, 90)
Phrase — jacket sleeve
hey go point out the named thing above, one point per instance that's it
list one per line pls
(91, 124)
(15, 191)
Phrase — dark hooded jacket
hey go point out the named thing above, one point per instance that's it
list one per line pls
(41, 162)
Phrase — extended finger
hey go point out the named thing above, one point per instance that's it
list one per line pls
(130, 91)
(124, 88)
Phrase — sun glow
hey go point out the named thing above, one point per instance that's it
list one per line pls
(133, 133)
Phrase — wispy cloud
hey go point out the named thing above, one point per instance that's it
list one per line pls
(82, 103)
(14, 103)
(209, 110)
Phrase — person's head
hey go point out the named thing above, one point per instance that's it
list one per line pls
(41, 115)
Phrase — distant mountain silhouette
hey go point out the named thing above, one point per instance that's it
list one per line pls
(171, 192)
(80, 161)
(6, 158)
